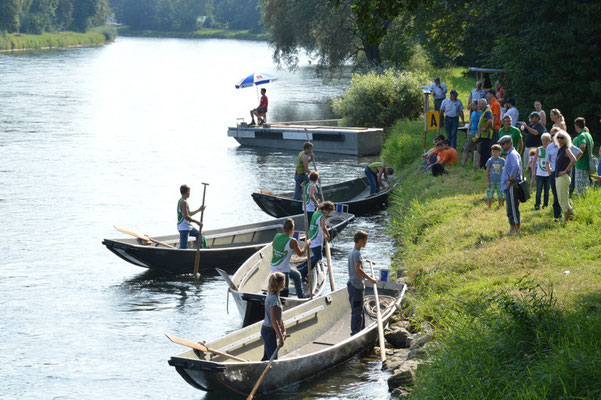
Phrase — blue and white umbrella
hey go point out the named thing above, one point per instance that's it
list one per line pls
(258, 78)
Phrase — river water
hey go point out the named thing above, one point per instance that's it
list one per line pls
(92, 137)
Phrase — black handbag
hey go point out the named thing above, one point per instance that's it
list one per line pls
(522, 189)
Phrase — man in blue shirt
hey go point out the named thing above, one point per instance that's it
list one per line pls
(512, 173)
(439, 93)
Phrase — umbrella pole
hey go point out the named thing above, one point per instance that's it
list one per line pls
(257, 90)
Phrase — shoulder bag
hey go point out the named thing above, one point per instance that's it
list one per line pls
(592, 160)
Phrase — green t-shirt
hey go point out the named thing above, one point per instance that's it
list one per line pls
(374, 166)
(582, 162)
(515, 133)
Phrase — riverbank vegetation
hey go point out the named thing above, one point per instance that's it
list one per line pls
(199, 34)
(515, 316)
(95, 36)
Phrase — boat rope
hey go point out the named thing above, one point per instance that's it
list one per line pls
(369, 304)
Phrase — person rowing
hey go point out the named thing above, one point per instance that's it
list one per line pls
(273, 331)
(184, 219)
(301, 172)
(318, 231)
(283, 244)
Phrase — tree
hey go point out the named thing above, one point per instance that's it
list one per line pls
(9, 15)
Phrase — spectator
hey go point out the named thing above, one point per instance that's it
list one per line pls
(495, 107)
(494, 169)
(558, 120)
(477, 93)
(533, 133)
(485, 125)
(512, 173)
(538, 107)
(500, 90)
(470, 145)
(565, 161)
(451, 109)
(487, 84)
(584, 141)
(551, 158)
(515, 133)
(530, 161)
(540, 173)
(439, 93)
(446, 156)
(513, 112)
(431, 155)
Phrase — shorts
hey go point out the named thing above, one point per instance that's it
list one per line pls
(469, 144)
(261, 110)
(494, 187)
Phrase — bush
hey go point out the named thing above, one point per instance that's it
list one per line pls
(379, 99)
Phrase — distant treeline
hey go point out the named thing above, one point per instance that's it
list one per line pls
(38, 16)
(187, 15)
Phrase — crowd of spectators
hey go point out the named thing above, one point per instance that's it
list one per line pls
(512, 151)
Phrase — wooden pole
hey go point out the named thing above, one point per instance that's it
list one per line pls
(252, 393)
(379, 315)
(200, 347)
(143, 238)
(326, 243)
(199, 239)
(307, 237)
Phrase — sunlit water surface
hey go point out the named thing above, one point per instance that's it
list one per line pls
(92, 137)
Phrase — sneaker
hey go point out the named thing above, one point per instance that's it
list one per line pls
(537, 207)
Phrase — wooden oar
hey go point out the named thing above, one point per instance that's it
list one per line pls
(273, 356)
(308, 249)
(200, 347)
(379, 315)
(144, 238)
(199, 238)
(326, 243)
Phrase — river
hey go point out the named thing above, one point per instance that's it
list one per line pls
(91, 137)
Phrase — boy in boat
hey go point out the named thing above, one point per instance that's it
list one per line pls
(261, 111)
(355, 284)
(301, 173)
(318, 231)
(311, 201)
(184, 219)
(374, 173)
(273, 330)
(283, 244)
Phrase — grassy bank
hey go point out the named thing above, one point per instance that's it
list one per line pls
(200, 34)
(95, 36)
(516, 316)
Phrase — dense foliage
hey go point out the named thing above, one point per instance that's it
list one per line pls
(377, 99)
(37, 16)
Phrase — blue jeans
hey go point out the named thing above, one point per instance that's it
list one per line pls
(315, 257)
(542, 182)
(355, 297)
(451, 124)
(556, 206)
(270, 342)
(298, 189)
(372, 178)
(513, 206)
(183, 237)
(298, 284)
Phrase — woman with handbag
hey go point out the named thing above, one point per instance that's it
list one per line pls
(564, 163)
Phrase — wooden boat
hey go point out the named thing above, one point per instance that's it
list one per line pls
(227, 247)
(248, 286)
(350, 196)
(320, 339)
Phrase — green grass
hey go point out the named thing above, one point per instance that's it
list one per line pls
(16, 41)
(200, 34)
(459, 259)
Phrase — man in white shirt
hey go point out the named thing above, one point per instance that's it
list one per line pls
(439, 92)
(476, 94)
(512, 111)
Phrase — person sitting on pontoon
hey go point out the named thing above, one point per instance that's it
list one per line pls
(261, 111)
(283, 245)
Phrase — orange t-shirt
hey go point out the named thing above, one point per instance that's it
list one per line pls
(495, 107)
(449, 156)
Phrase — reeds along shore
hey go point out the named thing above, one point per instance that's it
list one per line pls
(20, 42)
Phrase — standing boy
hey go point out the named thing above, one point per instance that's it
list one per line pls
(184, 219)
(283, 246)
(301, 172)
(355, 284)
(311, 200)
(494, 169)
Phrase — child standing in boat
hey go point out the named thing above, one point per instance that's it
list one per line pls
(318, 231)
(184, 219)
(355, 284)
(311, 200)
(273, 330)
(283, 244)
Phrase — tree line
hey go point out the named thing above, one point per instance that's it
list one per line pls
(551, 51)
